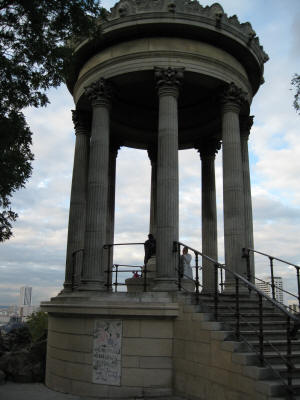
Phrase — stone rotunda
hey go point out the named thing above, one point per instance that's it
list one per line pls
(163, 76)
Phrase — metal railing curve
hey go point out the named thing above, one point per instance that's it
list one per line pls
(292, 321)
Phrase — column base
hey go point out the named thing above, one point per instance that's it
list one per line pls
(67, 288)
(92, 286)
(165, 285)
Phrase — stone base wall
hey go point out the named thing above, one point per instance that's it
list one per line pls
(208, 368)
(146, 354)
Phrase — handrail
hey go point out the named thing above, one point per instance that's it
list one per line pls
(246, 282)
(115, 269)
(277, 287)
(107, 245)
(246, 253)
(274, 258)
(289, 317)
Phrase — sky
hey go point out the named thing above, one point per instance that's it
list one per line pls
(35, 256)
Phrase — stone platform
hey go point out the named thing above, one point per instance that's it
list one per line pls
(111, 345)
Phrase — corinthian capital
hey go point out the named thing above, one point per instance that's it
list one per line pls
(99, 92)
(209, 148)
(232, 97)
(246, 123)
(80, 122)
(168, 78)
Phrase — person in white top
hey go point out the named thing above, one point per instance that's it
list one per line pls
(186, 268)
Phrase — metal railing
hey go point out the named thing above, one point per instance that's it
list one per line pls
(115, 268)
(246, 254)
(235, 286)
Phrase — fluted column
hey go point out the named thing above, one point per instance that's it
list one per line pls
(246, 124)
(168, 81)
(207, 152)
(110, 223)
(233, 187)
(75, 243)
(93, 276)
(152, 153)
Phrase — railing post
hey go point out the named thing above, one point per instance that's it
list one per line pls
(237, 310)
(246, 254)
(108, 266)
(116, 278)
(298, 285)
(261, 331)
(180, 266)
(197, 274)
(289, 353)
(222, 280)
(272, 277)
(216, 296)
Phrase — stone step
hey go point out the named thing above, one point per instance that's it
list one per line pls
(268, 325)
(274, 358)
(283, 370)
(268, 334)
(231, 316)
(279, 345)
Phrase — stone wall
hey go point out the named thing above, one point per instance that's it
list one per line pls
(146, 356)
(209, 368)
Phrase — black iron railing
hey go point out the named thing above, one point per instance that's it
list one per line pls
(273, 286)
(116, 269)
(138, 272)
(240, 282)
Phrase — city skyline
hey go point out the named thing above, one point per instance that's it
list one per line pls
(35, 256)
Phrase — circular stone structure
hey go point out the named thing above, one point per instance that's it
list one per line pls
(163, 75)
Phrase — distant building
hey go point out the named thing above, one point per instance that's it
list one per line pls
(267, 288)
(25, 296)
(293, 306)
(13, 309)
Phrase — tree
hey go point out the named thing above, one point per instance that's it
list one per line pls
(37, 324)
(35, 48)
(296, 83)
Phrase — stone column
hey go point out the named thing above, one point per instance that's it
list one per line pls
(246, 124)
(233, 186)
(75, 243)
(110, 223)
(152, 153)
(207, 152)
(93, 276)
(168, 81)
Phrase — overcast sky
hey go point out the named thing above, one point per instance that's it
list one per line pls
(35, 256)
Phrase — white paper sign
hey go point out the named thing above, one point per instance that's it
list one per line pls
(107, 352)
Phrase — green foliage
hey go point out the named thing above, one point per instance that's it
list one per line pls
(296, 84)
(15, 159)
(37, 324)
(35, 50)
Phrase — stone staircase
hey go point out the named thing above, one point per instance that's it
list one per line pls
(246, 350)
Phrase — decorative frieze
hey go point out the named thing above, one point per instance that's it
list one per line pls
(213, 15)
